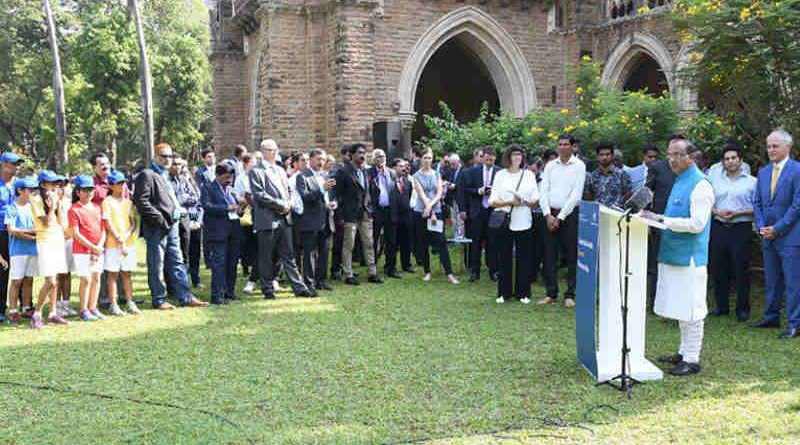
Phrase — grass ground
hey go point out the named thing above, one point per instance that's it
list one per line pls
(405, 362)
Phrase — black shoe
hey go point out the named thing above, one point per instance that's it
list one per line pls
(375, 279)
(790, 333)
(219, 301)
(269, 296)
(336, 275)
(673, 359)
(233, 297)
(408, 269)
(394, 274)
(473, 278)
(353, 281)
(324, 286)
(312, 292)
(719, 313)
(765, 324)
(306, 293)
(742, 316)
(684, 368)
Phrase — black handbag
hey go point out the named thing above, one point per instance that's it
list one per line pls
(500, 219)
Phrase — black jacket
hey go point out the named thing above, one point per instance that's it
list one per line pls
(153, 200)
(660, 178)
(315, 212)
(352, 196)
(374, 185)
(473, 181)
(400, 201)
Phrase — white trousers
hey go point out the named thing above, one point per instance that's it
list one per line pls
(691, 340)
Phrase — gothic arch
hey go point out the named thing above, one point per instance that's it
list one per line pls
(491, 44)
(620, 61)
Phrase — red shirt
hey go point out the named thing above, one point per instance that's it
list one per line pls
(102, 189)
(88, 221)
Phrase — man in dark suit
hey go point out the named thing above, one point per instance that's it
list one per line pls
(206, 172)
(222, 233)
(272, 204)
(660, 178)
(381, 183)
(156, 203)
(477, 188)
(777, 211)
(401, 221)
(312, 224)
(352, 194)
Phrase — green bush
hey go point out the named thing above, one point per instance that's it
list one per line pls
(628, 119)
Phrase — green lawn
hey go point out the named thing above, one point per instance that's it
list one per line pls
(381, 365)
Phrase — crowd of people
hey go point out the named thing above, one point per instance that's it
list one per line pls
(305, 218)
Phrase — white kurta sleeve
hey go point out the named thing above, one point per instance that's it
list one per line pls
(701, 203)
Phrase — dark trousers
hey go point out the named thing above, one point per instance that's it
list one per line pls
(223, 259)
(537, 246)
(780, 276)
(653, 244)
(195, 241)
(565, 240)
(513, 249)
(382, 224)
(731, 247)
(249, 253)
(3, 272)
(403, 240)
(278, 243)
(315, 255)
(336, 250)
(427, 239)
(480, 234)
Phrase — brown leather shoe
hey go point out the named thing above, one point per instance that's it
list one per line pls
(165, 307)
(194, 302)
(546, 300)
(569, 302)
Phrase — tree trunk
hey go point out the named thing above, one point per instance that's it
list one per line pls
(58, 86)
(145, 80)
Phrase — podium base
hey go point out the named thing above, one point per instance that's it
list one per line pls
(641, 369)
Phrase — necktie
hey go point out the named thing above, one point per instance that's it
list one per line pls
(486, 179)
(776, 173)
(400, 185)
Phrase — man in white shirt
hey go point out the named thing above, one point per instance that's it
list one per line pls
(683, 255)
(560, 192)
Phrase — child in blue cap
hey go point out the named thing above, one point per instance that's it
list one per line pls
(21, 247)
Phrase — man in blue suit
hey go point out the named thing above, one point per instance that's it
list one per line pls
(222, 233)
(777, 210)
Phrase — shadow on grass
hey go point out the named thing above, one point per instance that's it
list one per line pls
(362, 365)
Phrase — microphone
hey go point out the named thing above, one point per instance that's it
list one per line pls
(639, 200)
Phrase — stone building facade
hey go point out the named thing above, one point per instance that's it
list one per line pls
(319, 73)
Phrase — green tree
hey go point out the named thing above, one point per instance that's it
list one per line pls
(746, 58)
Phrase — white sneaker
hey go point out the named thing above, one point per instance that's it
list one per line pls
(116, 311)
(69, 310)
(60, 309)
(249, 287)
(500, 300)
(525, 300)
(132, 308)
(276, 287)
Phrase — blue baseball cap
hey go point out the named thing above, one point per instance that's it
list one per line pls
(49, 176)
(83, 182)
(10, 157)
(116, 177)
(28, 182)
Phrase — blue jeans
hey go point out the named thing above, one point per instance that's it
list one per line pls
(164, 256)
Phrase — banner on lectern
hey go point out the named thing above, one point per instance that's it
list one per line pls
(585, 311)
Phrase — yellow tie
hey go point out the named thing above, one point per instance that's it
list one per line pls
(776, 173)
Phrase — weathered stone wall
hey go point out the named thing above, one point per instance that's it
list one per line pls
(319, 73)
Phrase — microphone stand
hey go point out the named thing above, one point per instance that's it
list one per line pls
(625, 380)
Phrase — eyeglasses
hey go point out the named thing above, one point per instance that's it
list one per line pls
(676, 155)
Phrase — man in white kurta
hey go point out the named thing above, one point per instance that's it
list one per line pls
(683, 256)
